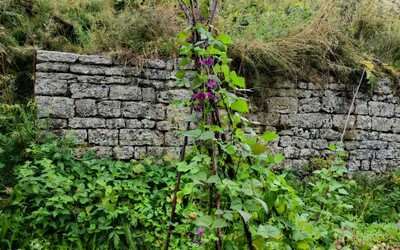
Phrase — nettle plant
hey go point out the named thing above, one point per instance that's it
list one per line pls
(230, 198)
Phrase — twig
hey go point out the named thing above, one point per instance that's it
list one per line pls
(352, 105)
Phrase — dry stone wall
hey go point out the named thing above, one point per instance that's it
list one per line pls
(127, 112)
(120, 111)
(309, 117)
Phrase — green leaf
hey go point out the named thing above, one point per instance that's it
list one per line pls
(246, 216)
(278, 158)
(180, 74)
(240, 105)
(237, 80)
(195, 133)
(182, 167)
(258, 149)
(270, 136)
(263, 204)
(204, 221)
(226, 71)
(268, 231)
(225, 39)
(207, 135)
(213, 179)
(138, 168)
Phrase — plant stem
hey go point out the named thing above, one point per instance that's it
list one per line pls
(177, 186)
(352, 105)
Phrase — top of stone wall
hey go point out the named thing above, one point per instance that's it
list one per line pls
(44, 56)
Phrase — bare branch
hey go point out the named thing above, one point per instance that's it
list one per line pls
(186, 11)
(213, 12)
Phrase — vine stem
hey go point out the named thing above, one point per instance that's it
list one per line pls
(177, 186)
(217, 201)
(352, 105)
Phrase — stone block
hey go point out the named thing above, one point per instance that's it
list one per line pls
(124, 152)
(87, 123)
(53, 56)
(313, 120)
(53, 123)
(85, 107)
(39, 76)
(103, 137)
(171, 152)
(148, 94)
(95, 59)
(335, 104)
(164, 126)
(52, 67)
(51, 87)
(169, 96)
(140, 137)
(310, 105)
(148, 123)
(109, 108)
(143, 110)
(115, 123)
(382, 124)
(60, 107)
(381, 109)
(87, 69)
(80, 135)
(133, 123)
(132, 93)
(90, 79)
(285, 105)
(85, 90)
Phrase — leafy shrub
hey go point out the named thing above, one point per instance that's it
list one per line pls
(82, 203)
(18, 129)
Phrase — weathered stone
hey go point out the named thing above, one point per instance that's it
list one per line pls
(87, 69)
(381, 109)
(361, 107)
(51, 87)
(335, 104)
(307, 120)
(124, 152)
(85, 90)
(309, 105)
(122, 71)
(148, 94)
(173, 95)
(155, 64)
(389, 137)
(53, 56)
(87, 123)
(90, 79)
(373, 144)
(270, 119)
(103, 137)
(52, 67)
(164, 126)
(133, 123)
(115, 123)
(143, 110)
(132, 93)
(383, 87)
(119, 80)
(291, 152)
(282, 105)
(60, 107)
(148, 123)
(173, 138)
(382, 124)
(339, 121)
(39, 76)
(140, 137)
(320, 144)
(95, 59)
(85, 107)
(109, 108)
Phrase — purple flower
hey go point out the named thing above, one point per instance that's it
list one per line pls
(212, 84)
(200, 232)
(209, 61)
(211, 96)
(199, 96)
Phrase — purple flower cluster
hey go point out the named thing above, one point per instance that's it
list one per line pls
(211, 84)
(209, 61)
(201, 96)
(199, 234)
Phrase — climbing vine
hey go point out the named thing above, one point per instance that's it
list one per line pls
(232, 199)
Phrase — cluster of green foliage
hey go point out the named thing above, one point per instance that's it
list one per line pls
(62, 202)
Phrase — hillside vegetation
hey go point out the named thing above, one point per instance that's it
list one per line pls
(297, 39)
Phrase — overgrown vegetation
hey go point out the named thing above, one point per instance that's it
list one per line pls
(296, 39)
(223, 194)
